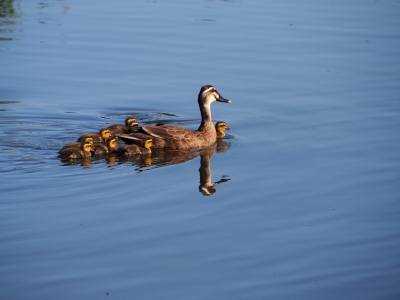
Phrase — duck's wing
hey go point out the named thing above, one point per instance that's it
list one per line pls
(165, 136)
(168, 131)
(133, 138)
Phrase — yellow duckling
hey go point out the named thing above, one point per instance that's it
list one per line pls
(77, 144)
(72, 152)
(105, 148)
(103, 134)
(220, 127)
(134, 149)
(130, 126)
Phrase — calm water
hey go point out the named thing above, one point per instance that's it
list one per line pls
(309, 201)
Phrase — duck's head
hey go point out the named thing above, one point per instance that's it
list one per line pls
(112, 143)
(209, 94)
(147, 143)
(86, 147)
(105, 133)
(129, 120)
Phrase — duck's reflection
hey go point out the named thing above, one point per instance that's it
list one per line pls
(207, 187)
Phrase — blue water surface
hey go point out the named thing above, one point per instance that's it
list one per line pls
(308, 201)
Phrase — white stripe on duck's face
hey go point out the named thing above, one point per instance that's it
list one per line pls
(210, 94)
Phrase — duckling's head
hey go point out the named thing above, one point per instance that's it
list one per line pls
(105, 133)
(111, 143)
(86, 147)
(133, 125)
(221, 126)
(128, 120)
(209, 94)
(147, 143)
(88, 140)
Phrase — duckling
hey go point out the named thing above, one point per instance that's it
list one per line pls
(77, 144)
(82, 151)
(134, 149)
(220, 127)
(103, 134)
(178, 138)
(105, 148)
(130, 126)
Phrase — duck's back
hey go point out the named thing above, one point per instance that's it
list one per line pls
(176, 138)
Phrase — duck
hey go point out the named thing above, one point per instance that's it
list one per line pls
(77, 144)
(83, 151)
(103, 134)
(220, 127)
(177, 138)
(130, 126)
(134, 149)
(104, 148)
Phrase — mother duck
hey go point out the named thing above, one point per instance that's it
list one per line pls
(178, 138)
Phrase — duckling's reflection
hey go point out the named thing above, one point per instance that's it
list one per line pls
(160, 158)
(84, 162)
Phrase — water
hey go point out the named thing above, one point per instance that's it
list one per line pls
(309, 200)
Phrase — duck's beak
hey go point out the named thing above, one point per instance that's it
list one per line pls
(222, 99)
(227, 128)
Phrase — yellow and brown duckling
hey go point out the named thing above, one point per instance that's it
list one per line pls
(135, 149)
(77, 144)
(109, 146)
(130, 126)
(220, 127)
(103, 134)
(178, 138)
(72, 152)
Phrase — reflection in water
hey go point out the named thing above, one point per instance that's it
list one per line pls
(84, 162)
(207, 187)
(160, 158)
(8, 14)
(2, 108)
(7, 9)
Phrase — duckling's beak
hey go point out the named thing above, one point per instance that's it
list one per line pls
(222, 99)
(227, 128)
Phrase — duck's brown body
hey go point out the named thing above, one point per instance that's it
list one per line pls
(178, 138)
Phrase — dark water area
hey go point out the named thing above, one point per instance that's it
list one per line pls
(306, 204)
